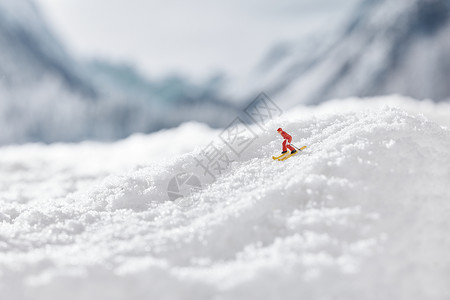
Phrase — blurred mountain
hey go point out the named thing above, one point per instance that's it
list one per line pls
(29, 51)
(46, 95)
(387, 47)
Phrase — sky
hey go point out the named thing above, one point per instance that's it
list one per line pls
(197, 38)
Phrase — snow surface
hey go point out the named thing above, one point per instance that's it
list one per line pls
(363, 213)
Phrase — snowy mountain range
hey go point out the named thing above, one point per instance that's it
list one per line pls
(48, 95)
(387, 47)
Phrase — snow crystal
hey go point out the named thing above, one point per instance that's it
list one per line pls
(362, 213)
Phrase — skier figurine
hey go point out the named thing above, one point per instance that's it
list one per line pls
(287, 141)
(287, 145)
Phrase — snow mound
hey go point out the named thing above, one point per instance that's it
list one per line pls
(362, 213)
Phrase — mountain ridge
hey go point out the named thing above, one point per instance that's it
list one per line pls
(387, 47)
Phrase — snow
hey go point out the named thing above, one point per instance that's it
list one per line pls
(362, 213)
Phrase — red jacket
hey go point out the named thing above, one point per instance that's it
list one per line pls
(286, 136)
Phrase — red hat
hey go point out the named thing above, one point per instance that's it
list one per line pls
(279, 129)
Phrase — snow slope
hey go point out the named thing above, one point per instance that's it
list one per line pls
(361, 214)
